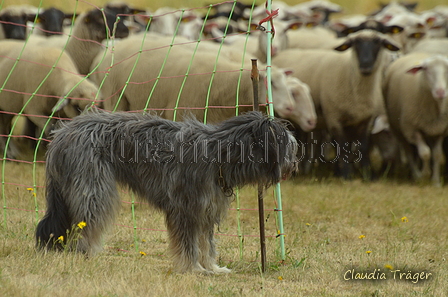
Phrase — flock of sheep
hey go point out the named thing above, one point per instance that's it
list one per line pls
(350, 84)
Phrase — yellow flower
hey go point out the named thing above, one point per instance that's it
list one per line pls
(34, 194)
(82, 224)
(404, 219)
(143, 240)
(308, 224)
(61, 238)
(142, 253)
(368, 252)
(388, 266)
(30, 189)
(361, 236)
(280, 278)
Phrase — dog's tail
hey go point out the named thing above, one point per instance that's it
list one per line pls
(56, 221)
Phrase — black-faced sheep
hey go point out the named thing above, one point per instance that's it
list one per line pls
(13, 21)
(346, 89)
(49, 21)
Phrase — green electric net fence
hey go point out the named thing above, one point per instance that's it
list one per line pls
(187, 71)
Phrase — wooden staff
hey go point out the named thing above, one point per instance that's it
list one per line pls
(255, 80)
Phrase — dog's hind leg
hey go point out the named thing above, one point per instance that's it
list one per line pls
(208, 250)
(95, 201)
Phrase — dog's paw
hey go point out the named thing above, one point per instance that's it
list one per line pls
(217, 269)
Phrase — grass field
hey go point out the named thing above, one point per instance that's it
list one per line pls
(332, 228)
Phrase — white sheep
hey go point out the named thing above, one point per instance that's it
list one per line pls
(170, 81)
(30, 86)
(416, 94)
(345, 87)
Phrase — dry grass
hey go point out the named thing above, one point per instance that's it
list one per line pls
(323, 222)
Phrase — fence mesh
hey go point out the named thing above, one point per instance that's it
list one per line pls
(33, 74)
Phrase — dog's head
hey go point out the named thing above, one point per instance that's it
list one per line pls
(263, 150)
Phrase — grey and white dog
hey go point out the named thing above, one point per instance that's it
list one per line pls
(187, 170)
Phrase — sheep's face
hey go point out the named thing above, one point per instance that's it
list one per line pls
(95, 21)
(52, 20)
(367, 45)
(367, 53)
(435, 71)
(14, 25)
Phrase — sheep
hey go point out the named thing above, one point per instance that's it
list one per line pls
(172, 93)
(28, 87)
(345, 87)
(88, 32)
(415, 94)
(414, 30)
(436, 22)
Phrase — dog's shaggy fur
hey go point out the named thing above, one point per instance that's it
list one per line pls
(187, 170)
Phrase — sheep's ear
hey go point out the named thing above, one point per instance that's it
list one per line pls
(62, 102)
(32, 17)
(417, 35)
(294, 26)
(69, 16)
(380, 124)
(144, 19)
(345, 46)
(253, 26)
(349, 30)
(390, 45)
(393, 29)
(415, 69)
(137, 10)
